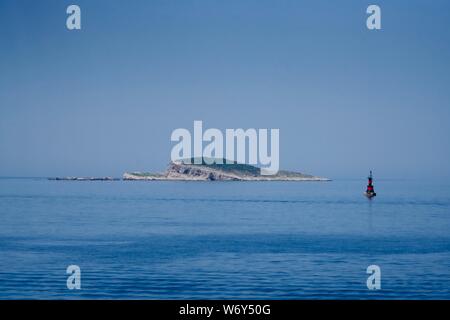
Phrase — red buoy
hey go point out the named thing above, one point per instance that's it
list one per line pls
(370, 192)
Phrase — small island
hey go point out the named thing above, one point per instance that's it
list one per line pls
(84, 179)
(218, 171)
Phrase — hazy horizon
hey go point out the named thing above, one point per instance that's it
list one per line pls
(104, 99)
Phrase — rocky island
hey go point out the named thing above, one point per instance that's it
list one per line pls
(188, 171)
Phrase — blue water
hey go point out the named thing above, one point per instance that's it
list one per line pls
(231, 240)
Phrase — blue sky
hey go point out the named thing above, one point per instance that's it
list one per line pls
(105, 99)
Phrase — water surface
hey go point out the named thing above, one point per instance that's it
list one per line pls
(230, 240)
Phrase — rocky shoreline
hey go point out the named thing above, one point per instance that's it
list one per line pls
(182, 171)
(84, 179)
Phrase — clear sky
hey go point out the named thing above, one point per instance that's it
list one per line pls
(105, 99)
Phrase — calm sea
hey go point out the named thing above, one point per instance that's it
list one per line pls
(230, 240)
